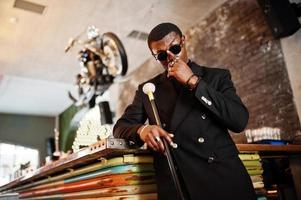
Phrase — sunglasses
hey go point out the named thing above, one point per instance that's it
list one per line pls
(162, 55)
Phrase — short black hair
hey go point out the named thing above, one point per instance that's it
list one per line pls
(161, 30)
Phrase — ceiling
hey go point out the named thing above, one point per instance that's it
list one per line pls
(35, 73)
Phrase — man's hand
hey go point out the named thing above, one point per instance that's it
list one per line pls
(151, 135)
(179, 69)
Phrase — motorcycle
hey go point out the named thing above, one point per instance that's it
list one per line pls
(102, 59)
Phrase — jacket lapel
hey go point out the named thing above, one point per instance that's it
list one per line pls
(185, 101)
(182, 108)
(163, 93)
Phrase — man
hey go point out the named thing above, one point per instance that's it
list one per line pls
(197, 105)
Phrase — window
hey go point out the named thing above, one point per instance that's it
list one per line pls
(12, 156)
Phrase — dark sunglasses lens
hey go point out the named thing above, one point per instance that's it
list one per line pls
(175, 49)
(162, 56)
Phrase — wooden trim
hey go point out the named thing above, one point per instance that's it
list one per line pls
(291, 148)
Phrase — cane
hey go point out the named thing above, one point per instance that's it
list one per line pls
(149, 89)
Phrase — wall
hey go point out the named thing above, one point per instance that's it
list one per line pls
(291, 47)
(28, 131)
(236, 36)
(147, 70)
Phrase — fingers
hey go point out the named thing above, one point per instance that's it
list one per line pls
(166, 135)
(173, 61)
(160, 143)
(154, 137)
(172, 67)
(155, 143)
(170, 64)
(169, 71)
(151, 142)
(169, 138)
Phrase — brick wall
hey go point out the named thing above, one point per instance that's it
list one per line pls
(236, 36)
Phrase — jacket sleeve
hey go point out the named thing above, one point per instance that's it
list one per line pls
(134, 116)
(224, 103)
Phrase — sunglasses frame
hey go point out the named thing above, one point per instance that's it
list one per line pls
(180, 44)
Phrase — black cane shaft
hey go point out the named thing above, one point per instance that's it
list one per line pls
(173, 170)
(168, 154)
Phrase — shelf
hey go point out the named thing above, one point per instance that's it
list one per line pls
(104, 149)
(116, 147)
(290, 148)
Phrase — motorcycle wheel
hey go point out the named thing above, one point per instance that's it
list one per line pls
(115, 51)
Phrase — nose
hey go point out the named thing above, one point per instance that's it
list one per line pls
(170, 56)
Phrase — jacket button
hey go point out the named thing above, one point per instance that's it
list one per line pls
(201, 140)
(163, 125)
(203, 116)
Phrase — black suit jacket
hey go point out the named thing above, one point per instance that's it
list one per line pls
(206, 157)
